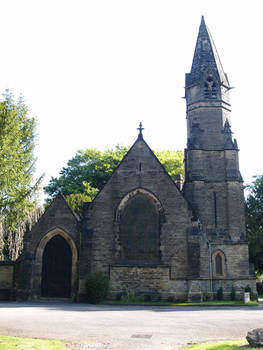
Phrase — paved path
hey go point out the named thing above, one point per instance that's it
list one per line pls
(128, 327)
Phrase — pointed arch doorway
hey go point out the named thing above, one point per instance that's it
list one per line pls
(56, 268)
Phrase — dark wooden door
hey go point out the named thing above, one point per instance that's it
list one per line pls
(56, 268)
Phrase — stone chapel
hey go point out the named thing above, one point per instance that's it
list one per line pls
(146, 231)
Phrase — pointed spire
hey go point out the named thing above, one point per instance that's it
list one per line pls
(206, 60)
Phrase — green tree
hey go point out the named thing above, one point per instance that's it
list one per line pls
(89, 170)
(254, 222)
(173, 161)
(76, 200)
(17, 191)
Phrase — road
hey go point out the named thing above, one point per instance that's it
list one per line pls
(128, 327)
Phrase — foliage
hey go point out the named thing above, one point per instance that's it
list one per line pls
(89, 170)
(17, 190)
(259, 275)
(76, 200)
(248, 289)
(207, 296)
(14, 343)
(173, 161)
(254, 222)
(179, 303)
(97, 287)
(233, 293)
(219, 294)
(130, 297)
(225, 345)
(13, 240)
(147, 297)
(171, 299)
(260, 287)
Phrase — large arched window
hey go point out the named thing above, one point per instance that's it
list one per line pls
(219, 264)
(139, 226)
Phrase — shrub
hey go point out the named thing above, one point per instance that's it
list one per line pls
(219, 294)
(147, 297)
(233, 293)
(248, 289)
(170, 299)
(97, 287)
(118, 297)
(207, 296)
(130, 296)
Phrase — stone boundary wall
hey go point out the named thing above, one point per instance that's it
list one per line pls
(6, 279)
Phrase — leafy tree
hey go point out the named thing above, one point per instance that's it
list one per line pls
(76, 200)
(17, 191)
(89, 170)
(254, 222)
(172, 161)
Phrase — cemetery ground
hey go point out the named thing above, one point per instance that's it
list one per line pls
(128, 327)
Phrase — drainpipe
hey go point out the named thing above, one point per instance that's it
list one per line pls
(210, 265)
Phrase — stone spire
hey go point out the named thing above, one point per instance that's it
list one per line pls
(206, 61)
(207, 96)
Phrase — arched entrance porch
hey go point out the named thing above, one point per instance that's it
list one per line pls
(56, 265)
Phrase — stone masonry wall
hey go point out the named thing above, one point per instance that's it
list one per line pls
(6, 279)
(140, 169)
(57, 219)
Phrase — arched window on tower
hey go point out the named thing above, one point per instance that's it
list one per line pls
(210, 88)
(219, 264)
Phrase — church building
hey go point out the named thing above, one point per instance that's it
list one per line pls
(146, 231)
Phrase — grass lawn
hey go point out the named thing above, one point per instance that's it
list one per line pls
(226, 345)
(13, 343)
(166, 303)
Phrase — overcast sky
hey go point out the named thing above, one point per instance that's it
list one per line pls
(90, 71)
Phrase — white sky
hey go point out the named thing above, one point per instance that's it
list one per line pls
(90, 71)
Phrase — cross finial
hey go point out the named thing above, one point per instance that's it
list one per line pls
(140, 128)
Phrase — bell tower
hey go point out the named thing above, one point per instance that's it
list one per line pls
(213, 183)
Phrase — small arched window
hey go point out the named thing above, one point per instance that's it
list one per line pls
(210, 88)
(219, 264)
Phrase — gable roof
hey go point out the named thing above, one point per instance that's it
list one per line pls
(53, 207)
(141, 140)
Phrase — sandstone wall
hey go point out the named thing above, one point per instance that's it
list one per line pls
(6, 280)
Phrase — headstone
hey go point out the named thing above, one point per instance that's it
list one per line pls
(246, 297)
(255, 338)
(195, 294)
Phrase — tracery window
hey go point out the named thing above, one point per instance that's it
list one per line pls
(139, 231)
